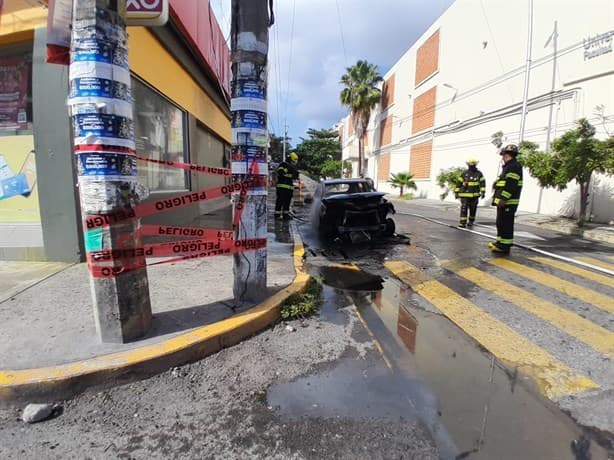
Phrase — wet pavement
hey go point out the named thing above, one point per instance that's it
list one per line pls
(474, 405)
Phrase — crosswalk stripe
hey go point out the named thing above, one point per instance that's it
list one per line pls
(573, 290)
(605, 280)
(582, 329)
(597, 262)
(554, 378)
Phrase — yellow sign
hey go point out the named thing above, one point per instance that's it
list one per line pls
(18, 155)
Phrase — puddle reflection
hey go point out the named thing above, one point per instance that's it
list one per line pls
(472, 405)
(479, 402)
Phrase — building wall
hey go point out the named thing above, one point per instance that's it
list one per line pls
(164, 66)
(474, 58)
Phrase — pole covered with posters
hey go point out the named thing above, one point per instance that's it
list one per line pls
(100, 105)
(249, 50)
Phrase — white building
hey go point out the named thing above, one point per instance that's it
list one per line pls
(464, 80)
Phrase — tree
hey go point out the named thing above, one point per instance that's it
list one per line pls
(276, 147)
(331, 168)
(576, 155)
(316, 151)
(402, 181)
(447, 179)
(361, 95)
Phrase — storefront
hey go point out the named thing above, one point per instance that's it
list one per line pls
(180, 84)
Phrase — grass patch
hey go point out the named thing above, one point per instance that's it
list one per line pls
(305, 304)
(408, 196)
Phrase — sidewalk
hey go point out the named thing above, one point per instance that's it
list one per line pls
(48, 341)
(590, 231)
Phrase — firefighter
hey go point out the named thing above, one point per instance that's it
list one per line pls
(506, 198)
(469, 189)
(286, 174)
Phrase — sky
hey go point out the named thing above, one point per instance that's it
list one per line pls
(312, 43)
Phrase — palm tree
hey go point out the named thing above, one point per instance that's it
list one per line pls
(402, 180)
(361, 95)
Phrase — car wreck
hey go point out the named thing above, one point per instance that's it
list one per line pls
(350, 207)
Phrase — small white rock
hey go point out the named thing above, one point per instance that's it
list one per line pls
(36, 412)
(290, 328)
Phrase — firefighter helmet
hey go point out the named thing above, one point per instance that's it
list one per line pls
(511, 149)
(472, 162)
(293, 157)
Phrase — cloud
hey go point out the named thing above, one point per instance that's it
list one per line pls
(311, 45)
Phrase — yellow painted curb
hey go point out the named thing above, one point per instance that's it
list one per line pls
(69, 379)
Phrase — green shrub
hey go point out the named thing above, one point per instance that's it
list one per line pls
(303, 304)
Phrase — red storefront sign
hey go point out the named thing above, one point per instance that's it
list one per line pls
(146, 12)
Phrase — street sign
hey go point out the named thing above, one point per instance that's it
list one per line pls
(146, 12)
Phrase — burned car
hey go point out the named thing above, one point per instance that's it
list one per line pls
(346, 206)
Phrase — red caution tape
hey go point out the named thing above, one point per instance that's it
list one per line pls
(86, 148)
(191, 167)
(168, 204)
(188, 232)
(189, 250)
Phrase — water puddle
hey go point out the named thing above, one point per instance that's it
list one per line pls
(474, 407)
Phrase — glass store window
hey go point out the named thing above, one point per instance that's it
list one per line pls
(18, 184)
(16, 90)
(160, 134)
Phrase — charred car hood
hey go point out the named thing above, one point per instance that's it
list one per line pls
(372, 196)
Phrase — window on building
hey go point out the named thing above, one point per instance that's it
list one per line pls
(16, 89)
(160, 134)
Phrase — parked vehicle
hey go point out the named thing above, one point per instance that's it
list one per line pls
(343, 206)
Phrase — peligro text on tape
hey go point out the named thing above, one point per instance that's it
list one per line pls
(172, 248)
(189, 232)
(167, 204)
(213, 170)
(98, 270)
(106, 271)
(237, 248)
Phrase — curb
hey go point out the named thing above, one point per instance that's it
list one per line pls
(67, 380)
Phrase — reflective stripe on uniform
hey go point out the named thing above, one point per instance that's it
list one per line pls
(286, 186)
(505, 194)
(500, 183)
(512, 175)
(505, 240)
(513, 201)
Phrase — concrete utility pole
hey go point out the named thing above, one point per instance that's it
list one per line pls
(527, 74)
(554, 39)
(284, 144)
(250, 44)
(101, 113)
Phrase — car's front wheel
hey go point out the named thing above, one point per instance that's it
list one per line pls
(390, 227)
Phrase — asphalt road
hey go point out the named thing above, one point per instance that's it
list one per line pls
(389, 369)
(546, 324)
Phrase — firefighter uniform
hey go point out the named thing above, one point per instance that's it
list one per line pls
(469, 189)
(506, 198)
(286, 174)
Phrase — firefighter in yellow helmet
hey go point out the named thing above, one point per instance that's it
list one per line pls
(506, 199)
(470, 187)
(286, 174)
